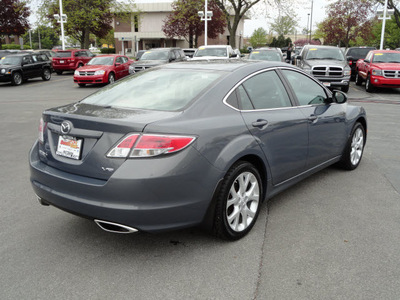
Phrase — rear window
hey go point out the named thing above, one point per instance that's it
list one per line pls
(64, 54)
(359, 52)
(218, 52)
(165, 89)
(265, 55)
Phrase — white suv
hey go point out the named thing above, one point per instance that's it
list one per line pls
(214, 52)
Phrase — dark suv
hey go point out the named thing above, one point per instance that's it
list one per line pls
(355, 53)
(20, 67)
(70, 60)
(157, 56)
(327, 64)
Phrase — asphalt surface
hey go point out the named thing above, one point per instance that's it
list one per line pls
(335, 235)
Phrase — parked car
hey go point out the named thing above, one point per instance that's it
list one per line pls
(353, 54)
(270, 54)
(381, 68)
(139, 54)
(327, 64)
(189, 52)
(214, 52)
(156, 57)
(17, 68)
(70, 60)
(156, 152)
(103, 69)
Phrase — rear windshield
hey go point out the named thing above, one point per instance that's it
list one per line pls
(265, 55)
(325, 53)
(64, 54)
(359, 52)
(165, 89)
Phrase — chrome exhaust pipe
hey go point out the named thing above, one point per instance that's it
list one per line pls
(114, 227)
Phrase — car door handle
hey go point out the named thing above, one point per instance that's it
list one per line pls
(260, 123)
(312, 118)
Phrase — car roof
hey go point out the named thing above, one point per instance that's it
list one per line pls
(214, 46)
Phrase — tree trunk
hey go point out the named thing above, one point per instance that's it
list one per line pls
(86, 41)
(190, 38)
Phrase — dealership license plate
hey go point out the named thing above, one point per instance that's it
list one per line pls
(61, 61)
(326, 83)
(69, 147)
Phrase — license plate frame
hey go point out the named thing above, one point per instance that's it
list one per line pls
(62, 61)
(69, 147)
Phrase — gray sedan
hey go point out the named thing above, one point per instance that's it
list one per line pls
(197, 143)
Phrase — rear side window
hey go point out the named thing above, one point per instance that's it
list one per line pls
(64, 54)
(266, 90)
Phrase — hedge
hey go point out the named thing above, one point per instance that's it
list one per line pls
(13, 47)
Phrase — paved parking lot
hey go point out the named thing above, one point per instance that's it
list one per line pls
(335, 235)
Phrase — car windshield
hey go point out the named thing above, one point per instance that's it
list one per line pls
(218, 52)
(325, 53)
(64, 54)
(358, 53)
(11, 60)
(164, 89)
(104, 61)
(155, 55)
(386, 58)
(265, 55)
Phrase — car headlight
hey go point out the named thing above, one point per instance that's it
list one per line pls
(99, 72)
(3, 71)
(76, 72)
(347, 72)
(376, 72)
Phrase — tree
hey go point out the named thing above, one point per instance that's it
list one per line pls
(84, 17)
(347, 20)
(284, 25)
(48, 37)
(109, 39)
(280, 42)
(392, 34)
(258, 38)
(238, 8)
(13, 17)
(184, 21)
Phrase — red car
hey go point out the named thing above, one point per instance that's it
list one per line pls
(381, 68)
(103, 69)
(71, 59)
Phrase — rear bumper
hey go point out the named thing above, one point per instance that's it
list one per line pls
(91, 79)
(147, 194)
(64, 67)
(383, 82)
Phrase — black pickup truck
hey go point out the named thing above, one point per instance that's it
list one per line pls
(18, 68)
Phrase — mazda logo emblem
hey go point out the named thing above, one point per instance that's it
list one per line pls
(66, 127)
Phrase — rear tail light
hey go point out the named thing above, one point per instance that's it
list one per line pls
(350, 62)
(42, 126)
(148, 145)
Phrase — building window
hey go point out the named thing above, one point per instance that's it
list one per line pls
(136, 23)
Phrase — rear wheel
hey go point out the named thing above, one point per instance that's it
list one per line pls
(111, 78)
(16, 78)
(358, 79)
(81, 84)
(368, 85)
(354, 149)
(238, 201)
(59, 72)
(46, 74)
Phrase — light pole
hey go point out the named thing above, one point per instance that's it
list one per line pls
(61, 18)
(312, 4)
(205, 16)
(308, 24)
(386, 13)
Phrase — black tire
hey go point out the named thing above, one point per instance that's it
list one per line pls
(16, 78)
(246, 208)
(368, 85)
(345, 89)
(82, 84)
(46, 75)
(111, 78)
(59, 72)
(354, 150)
(80, 65)
(359, 79)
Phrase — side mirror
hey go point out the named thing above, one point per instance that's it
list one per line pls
(349, 58)
(233, 55)
(339, 97)
(117, 64)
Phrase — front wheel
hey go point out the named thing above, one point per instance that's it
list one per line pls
(368, 85)
(354, 149)
(238, 201)
(358, 79)
(16, 78)
(82, 84)
(111, 78)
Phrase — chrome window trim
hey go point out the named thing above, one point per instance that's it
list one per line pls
(268, 109)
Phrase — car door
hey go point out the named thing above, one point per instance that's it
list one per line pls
(326, 120)
(28, 67)
(119, 67)
(280, 129)
(126, 64)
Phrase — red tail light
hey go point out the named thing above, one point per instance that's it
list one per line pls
(350, 62)
(42, 126)
(148, 145)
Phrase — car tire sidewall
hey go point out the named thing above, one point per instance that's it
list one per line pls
(368, 85)
(16, 78)
(111, 78)
(358, 79)
(346, 158)
(221, 228)
(46, 76)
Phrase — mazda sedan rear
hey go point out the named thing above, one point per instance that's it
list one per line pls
(191, 144)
